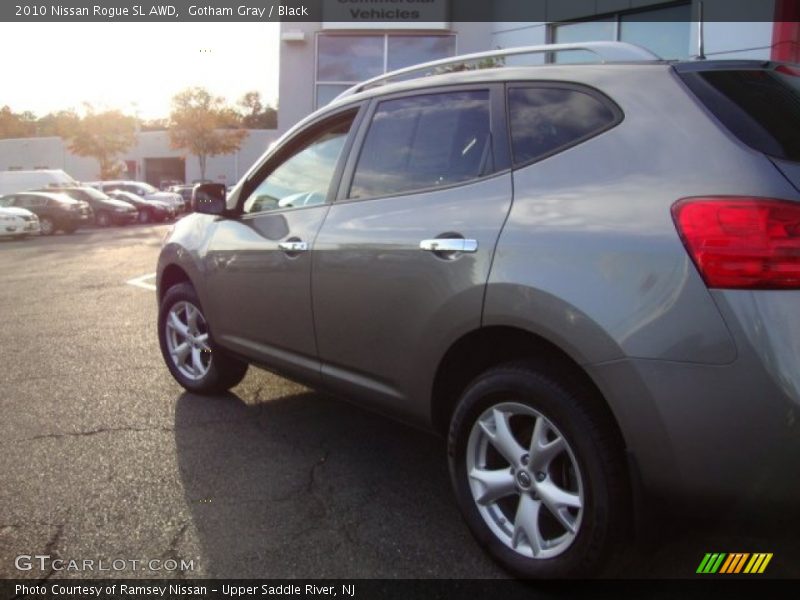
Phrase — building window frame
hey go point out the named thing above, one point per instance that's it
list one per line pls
(385, 66)
(613, 17)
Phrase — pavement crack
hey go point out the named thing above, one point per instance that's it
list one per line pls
(129, 429)
(50, 550)
(171, 553)
(46, 436)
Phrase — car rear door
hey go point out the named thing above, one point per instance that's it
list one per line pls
(401, 262)
(258, 265)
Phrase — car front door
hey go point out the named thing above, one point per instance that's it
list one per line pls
(258, 265)
(402, 260)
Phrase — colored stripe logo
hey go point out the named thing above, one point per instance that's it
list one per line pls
(733, 563)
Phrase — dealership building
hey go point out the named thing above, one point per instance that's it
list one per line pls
(319, 60)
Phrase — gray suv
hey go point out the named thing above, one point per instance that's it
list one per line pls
(586, 277)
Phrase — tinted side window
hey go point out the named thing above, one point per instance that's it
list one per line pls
(762, 108)
(545, 120)
(30, 201)
(424, 142)
(304, 177)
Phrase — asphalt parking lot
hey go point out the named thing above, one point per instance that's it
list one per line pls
(104, 457)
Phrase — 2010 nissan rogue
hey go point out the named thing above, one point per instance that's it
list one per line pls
(586, 276)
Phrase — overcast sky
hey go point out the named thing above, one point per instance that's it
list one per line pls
(134, 67)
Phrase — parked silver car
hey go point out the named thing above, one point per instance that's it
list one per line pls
(587, 277)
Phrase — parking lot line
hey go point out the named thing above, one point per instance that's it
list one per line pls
(141, 282)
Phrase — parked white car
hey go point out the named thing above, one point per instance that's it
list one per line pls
(140, 188)
(18, 223)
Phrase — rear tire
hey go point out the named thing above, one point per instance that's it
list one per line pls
(538, 472)
(192, 356)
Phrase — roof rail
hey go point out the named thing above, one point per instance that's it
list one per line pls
(608, 52)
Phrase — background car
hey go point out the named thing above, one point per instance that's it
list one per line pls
(140, 188)
(107, 211)
(150, 211)
(18, 223)
(55, 211)
(185, 191)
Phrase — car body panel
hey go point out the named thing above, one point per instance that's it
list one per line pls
(385, 310)
(269, 317)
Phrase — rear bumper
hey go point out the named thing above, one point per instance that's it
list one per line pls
(728, 433)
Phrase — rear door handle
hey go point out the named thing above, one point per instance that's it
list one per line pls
(449, 245)
(293, 246)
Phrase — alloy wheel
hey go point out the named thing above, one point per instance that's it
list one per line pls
(525, 480)
(188, 340)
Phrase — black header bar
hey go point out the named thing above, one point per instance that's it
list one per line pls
(391, 12)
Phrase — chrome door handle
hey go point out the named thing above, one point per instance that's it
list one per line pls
(449, 245)
(294, 246)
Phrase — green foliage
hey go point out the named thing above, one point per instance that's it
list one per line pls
(104, 136)
(255, 115)
(16, 125)
(204, 125)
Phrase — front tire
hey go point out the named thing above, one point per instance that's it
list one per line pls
(538, 472)
(193, 359)
(47, 226)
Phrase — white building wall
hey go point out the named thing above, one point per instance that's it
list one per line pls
(53, 153)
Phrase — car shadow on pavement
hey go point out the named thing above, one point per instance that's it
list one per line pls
(303, 485)
(307, 486)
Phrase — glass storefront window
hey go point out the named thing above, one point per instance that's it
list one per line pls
(407, 50)
(344, 60)
(665, 31)
(667, 35)
(349, 57)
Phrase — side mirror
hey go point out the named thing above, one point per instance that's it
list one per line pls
(209, 198)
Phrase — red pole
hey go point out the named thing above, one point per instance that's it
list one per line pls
(786, 31)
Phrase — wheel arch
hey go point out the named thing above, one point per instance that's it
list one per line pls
(171, 276)
(490, 346)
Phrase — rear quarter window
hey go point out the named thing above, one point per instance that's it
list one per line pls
(546, 119)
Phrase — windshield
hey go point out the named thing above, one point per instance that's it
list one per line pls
(93, 193)
(761, 107)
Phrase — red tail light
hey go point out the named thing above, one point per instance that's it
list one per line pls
(742, 242)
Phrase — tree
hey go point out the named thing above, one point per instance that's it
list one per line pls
(204, 125)
(16, 125)
(255, 115)
(64, 124)
(104, 136)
